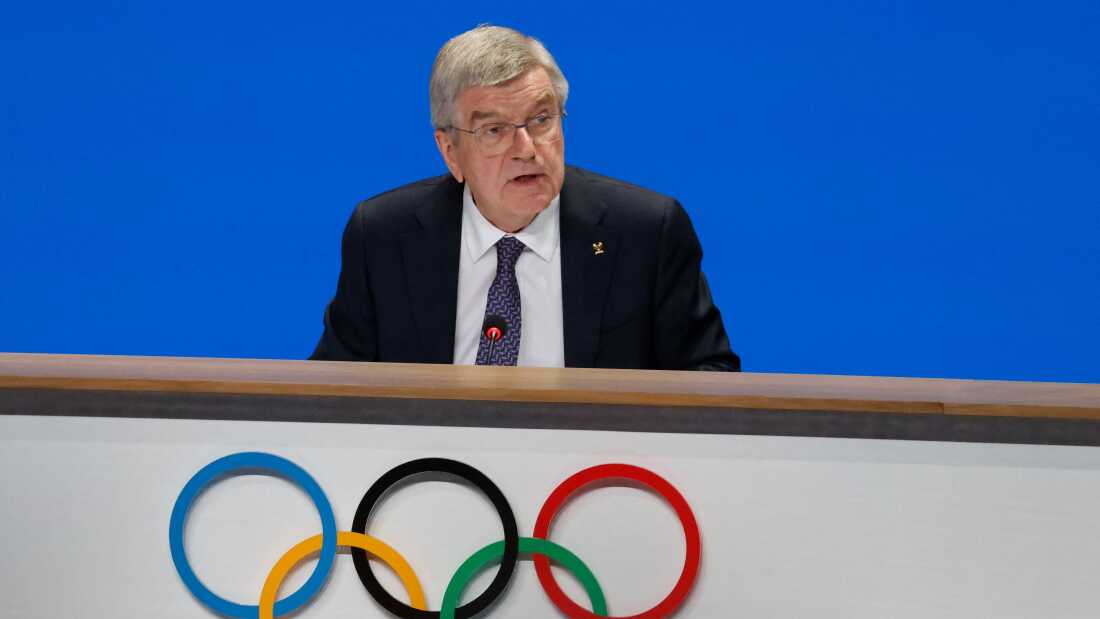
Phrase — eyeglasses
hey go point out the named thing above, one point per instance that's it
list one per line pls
(495, 138)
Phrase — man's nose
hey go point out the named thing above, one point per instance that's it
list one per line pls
(523, 147)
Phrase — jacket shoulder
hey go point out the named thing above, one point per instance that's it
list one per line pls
(396, 209)
(625, 201)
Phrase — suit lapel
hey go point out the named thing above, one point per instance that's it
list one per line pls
(431, 256)
(587, 264)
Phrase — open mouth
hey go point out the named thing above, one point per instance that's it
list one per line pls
(526, 179)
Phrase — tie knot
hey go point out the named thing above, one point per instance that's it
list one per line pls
(508, 250)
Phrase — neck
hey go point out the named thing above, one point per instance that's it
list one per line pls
(502, 221)
(505, 226)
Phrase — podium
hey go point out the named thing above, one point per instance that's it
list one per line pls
(827, 496)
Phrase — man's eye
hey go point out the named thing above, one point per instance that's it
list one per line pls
(541, 119)
(492, 130)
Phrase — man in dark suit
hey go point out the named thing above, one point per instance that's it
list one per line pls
(514, 258)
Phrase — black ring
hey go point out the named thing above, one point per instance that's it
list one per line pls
(479, 480)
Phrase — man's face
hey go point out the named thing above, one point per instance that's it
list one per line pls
(511, 187)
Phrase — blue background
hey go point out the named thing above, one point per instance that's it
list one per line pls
(886, 188)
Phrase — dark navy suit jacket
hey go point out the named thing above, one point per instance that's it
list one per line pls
(641, 303)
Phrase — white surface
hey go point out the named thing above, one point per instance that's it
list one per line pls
(791, 527)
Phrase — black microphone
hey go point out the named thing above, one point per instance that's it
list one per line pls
(493, 328)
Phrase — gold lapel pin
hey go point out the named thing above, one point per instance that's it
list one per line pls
(597, 248)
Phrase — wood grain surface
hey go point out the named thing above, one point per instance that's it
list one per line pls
(551, 385)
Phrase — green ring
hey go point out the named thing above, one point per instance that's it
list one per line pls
(527, 545)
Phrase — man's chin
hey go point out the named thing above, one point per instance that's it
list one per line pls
(527, 197)
(527, 207)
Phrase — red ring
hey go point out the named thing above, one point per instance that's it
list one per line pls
(553, 503)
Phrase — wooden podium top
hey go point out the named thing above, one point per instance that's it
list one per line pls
(628, 400)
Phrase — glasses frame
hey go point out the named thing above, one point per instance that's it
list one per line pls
(477, 132)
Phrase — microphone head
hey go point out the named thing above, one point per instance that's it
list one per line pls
(494, 327)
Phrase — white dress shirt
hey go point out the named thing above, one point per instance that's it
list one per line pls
(538, 271)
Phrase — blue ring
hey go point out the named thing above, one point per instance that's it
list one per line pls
(263, 463)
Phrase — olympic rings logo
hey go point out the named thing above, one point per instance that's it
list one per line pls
(506, 551)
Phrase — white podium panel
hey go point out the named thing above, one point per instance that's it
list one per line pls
(790, 527)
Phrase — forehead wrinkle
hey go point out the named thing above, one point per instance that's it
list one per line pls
(547, 97)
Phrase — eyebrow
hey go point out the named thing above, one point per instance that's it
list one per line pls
(478, 115)
(546, 98)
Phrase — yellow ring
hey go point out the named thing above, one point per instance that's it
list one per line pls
(376, 547)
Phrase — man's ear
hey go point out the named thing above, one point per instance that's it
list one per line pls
(447, 148)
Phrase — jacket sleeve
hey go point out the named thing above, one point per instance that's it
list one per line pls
(350, 325)
(689, 330)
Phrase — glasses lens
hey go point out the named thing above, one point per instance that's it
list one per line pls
(539, 125)
(493, 135)
(544, 128)
(496, 137)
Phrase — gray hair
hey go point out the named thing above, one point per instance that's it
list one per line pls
(486, 56)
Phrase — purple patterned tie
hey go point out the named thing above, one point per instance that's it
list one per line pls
(503, 301)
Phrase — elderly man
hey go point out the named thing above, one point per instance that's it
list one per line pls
(515, 258)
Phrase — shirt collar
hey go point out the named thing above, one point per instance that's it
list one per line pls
(540, 236)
